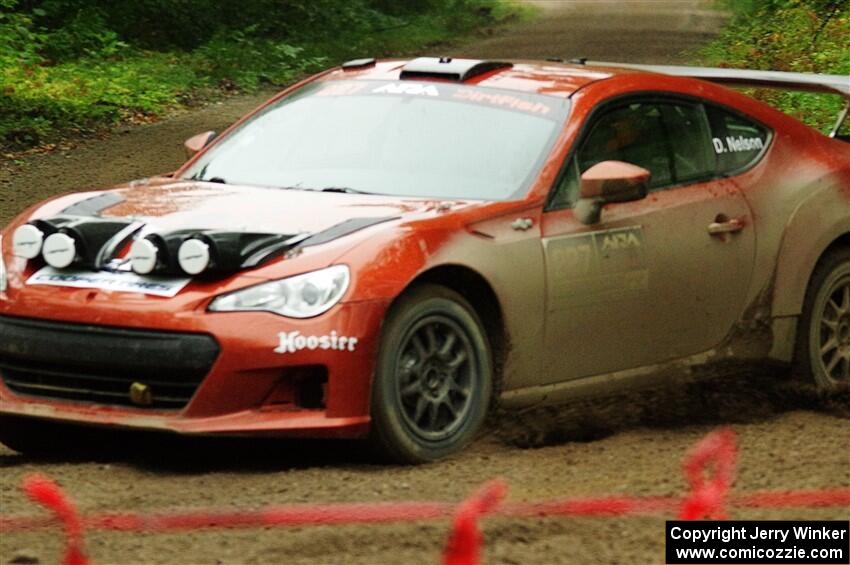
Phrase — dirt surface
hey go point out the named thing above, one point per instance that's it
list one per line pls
(790, 437)
(781, 448)
(129, 153)
(628, 31)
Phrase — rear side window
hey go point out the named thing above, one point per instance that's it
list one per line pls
(737, 141)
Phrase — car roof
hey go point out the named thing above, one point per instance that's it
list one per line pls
(537, 77)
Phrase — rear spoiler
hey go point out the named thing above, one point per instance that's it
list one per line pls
(805, 82)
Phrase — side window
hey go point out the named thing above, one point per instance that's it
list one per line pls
(635, 134)
(566, 193)
(736, 141)
(687, 127)
(670, 140)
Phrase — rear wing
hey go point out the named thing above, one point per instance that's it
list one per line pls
(804, 82)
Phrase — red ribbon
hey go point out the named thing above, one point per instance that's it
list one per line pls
(47, 493)
(464, 545)
(717, 452)
(709, 468)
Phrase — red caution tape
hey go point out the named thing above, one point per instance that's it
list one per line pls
(716, 452)
(709, 468)
(47, 493)
(464, 546)
(793, 499)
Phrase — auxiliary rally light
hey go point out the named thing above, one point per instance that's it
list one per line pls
(194, 256)
(27, 241)
(93, 243)
(144, 255)
(59, 250)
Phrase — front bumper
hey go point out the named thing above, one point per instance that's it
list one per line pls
(271, 376)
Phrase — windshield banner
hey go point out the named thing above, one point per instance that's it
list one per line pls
(523, 102)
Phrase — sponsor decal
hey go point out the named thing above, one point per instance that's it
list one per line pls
(620, 240)
(413, 88)
(290, 342)
(501, 100)
(597, 267)
(115, 282)
(737, 144)
(532, 104)
(341, 89)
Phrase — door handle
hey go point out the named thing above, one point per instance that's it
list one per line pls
(722, 226)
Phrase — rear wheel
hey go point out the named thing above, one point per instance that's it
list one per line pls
(433, 380)
(824, 341)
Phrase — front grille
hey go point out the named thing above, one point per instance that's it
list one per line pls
(97, 364)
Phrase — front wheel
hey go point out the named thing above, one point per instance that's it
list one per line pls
(824, 341)
(433, 380)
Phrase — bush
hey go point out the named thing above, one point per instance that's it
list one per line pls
(81, 64)
(788, 35)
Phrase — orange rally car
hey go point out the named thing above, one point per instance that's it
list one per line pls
(388, 249)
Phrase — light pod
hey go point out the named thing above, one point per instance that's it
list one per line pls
(59, 250)
(27, 241)
(144, 256)
(194, 256)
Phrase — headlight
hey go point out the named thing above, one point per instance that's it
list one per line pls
(3, 278)
(301, 296)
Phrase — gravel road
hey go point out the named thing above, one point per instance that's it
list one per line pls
(790, 438)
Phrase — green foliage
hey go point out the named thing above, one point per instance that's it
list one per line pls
(788, 35)
(80, 64)
(244, 61)
(85, 34)
(19, 42)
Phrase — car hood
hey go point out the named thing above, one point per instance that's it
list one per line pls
(171, 205)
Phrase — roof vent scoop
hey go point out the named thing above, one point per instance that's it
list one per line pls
(357, 64)
(446, 68)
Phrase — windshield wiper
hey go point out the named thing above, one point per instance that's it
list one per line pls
(199, 176)
(338, 189)
(344, 190)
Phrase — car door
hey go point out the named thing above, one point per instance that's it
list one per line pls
(657, 279)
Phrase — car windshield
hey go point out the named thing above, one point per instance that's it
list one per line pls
(415, 139)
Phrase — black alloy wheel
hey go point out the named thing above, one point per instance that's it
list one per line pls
(433, 381)
(436, 376)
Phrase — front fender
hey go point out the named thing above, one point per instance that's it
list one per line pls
(511, 262)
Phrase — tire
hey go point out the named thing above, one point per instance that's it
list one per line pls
(823, 342)
(433, 379)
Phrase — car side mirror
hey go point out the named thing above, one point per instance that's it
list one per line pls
(197, 142)
(608, 182)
